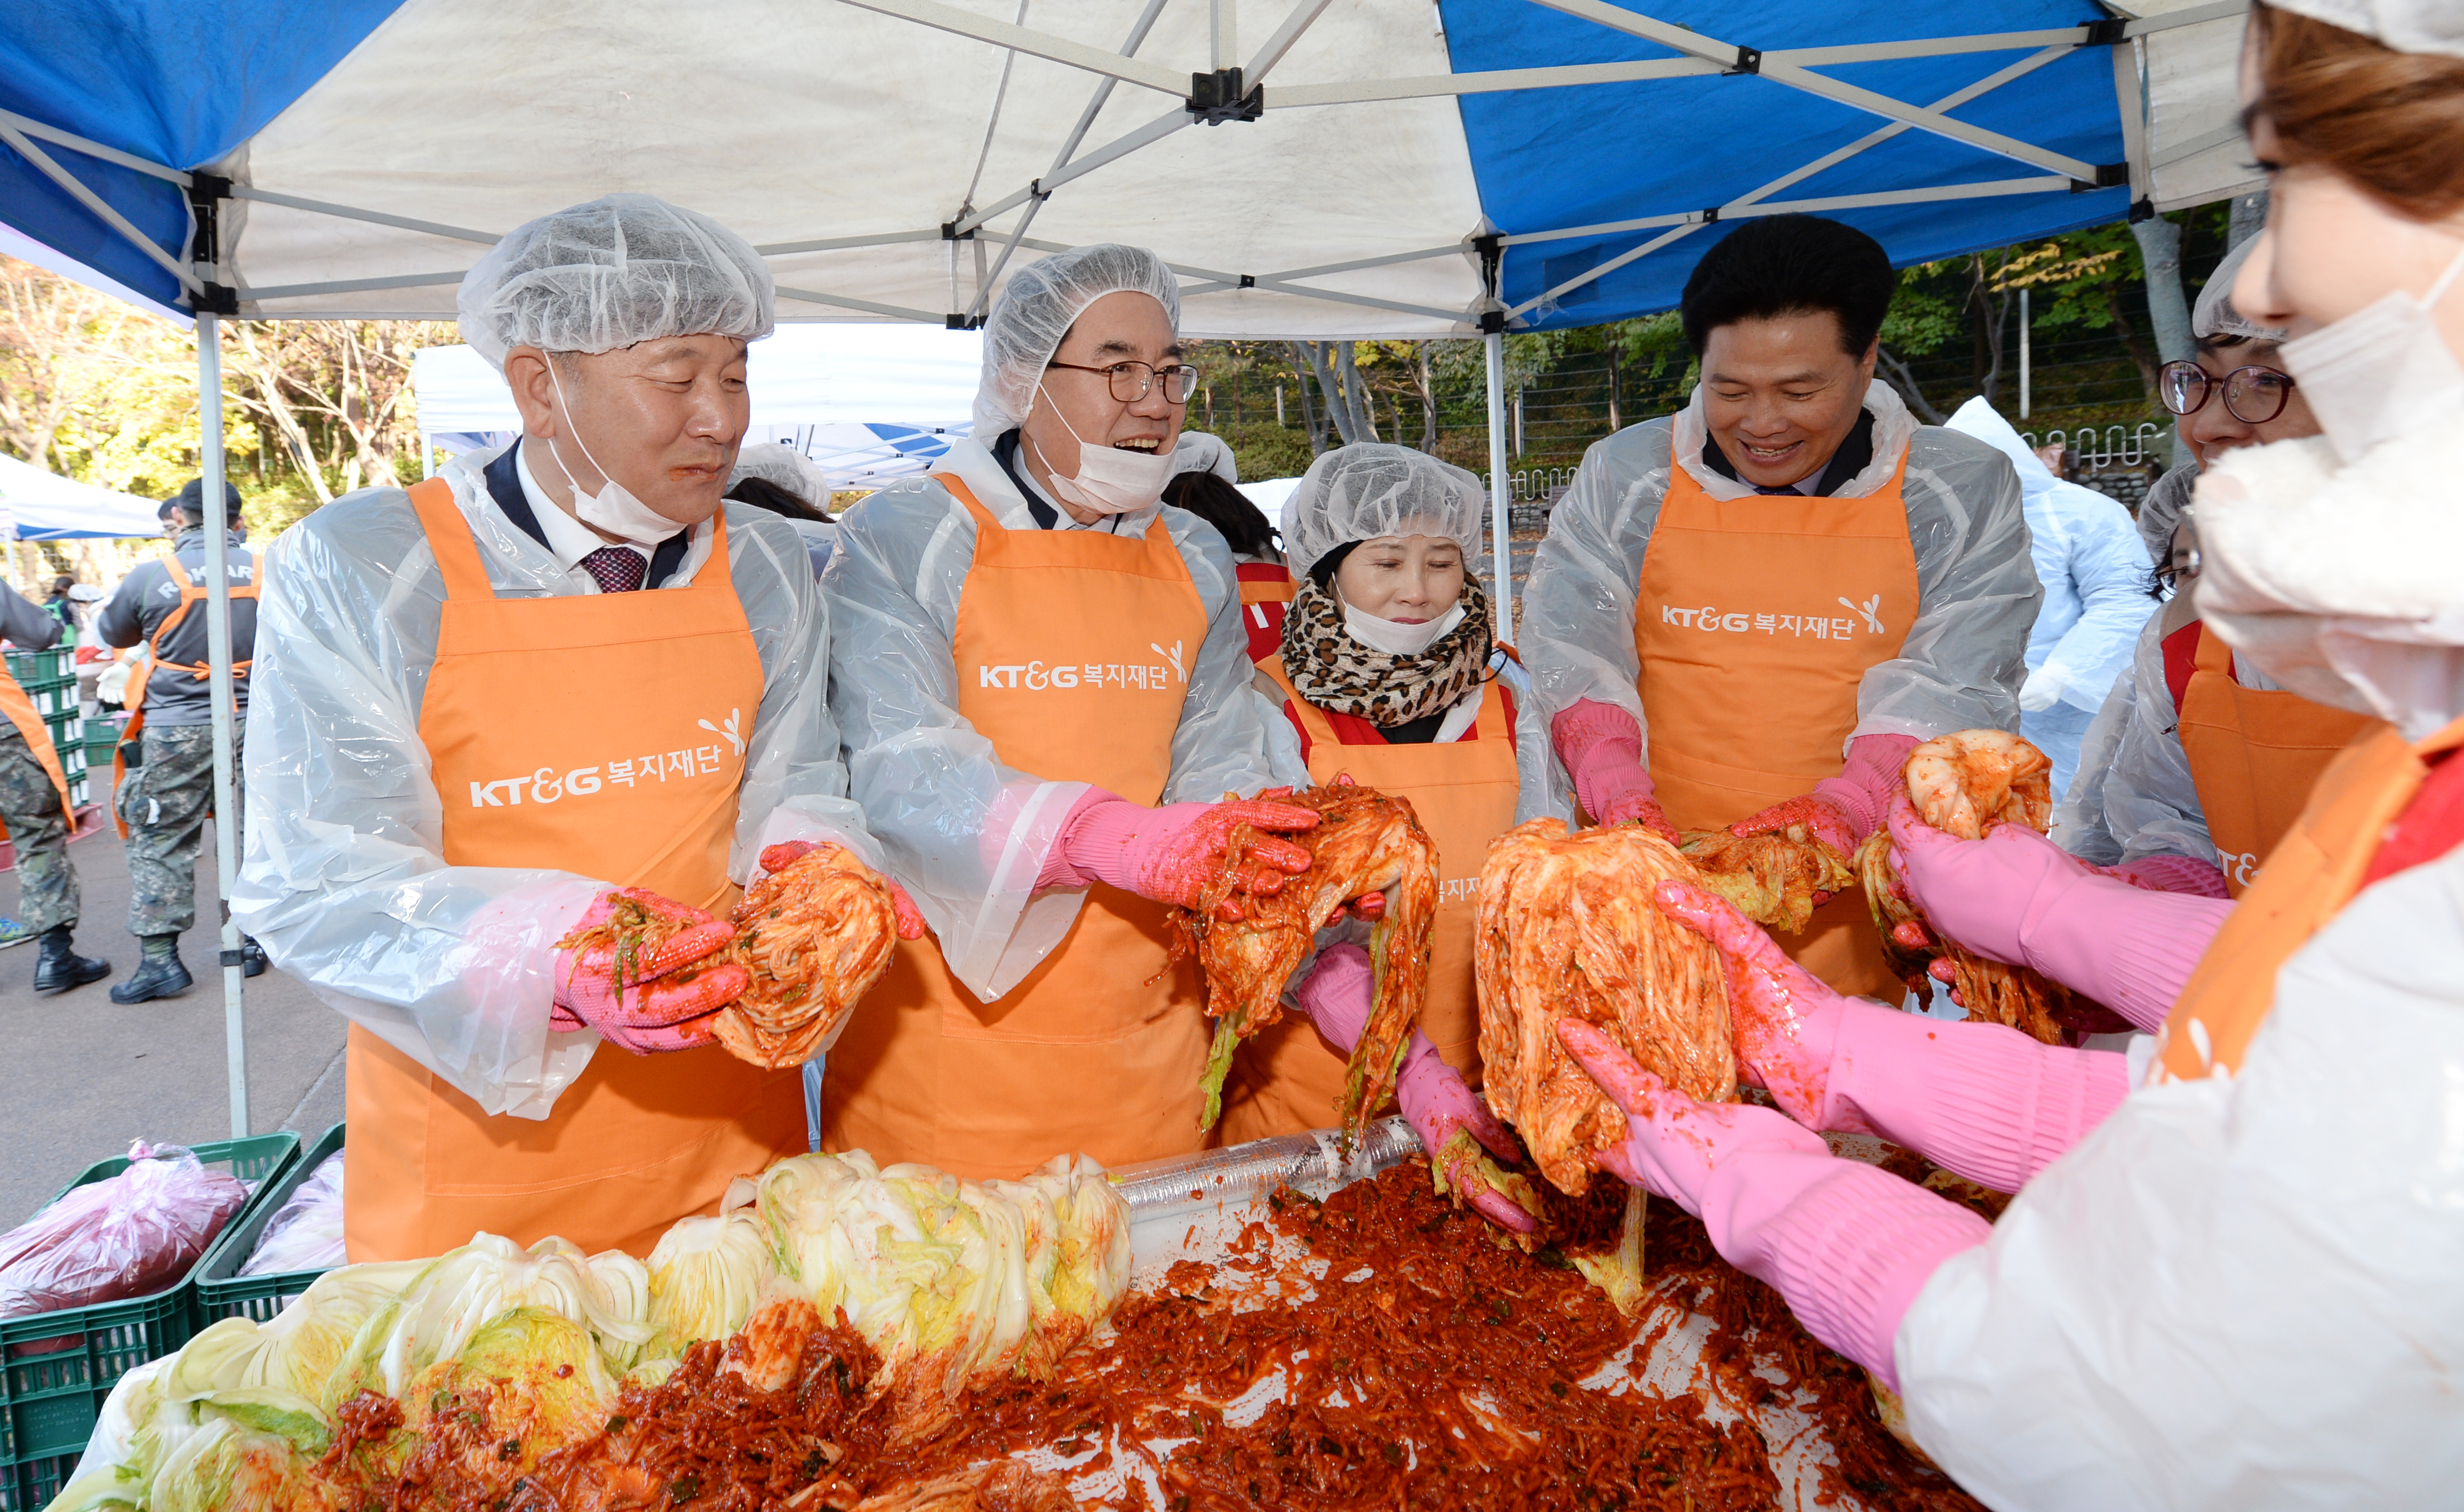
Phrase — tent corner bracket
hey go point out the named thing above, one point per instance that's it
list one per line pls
(2108, 175)
(1218, 97)
(2113, 29)
(1750, 60)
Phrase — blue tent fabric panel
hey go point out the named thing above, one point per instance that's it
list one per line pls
(1547, 159)
(179, 82)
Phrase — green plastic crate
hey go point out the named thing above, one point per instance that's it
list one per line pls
(56, 1367)
(102, 738)
(36, 667)
(221, 1290)
(52, 696)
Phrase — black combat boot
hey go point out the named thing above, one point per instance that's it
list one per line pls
(60, 966)
(159, 972)
(253, 961)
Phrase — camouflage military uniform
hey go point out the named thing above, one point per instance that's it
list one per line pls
(29, 805)
(165, 803)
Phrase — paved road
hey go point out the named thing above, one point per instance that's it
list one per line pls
(85, 1075)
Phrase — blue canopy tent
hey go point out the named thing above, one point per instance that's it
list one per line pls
(1366, 168)
(44, 506)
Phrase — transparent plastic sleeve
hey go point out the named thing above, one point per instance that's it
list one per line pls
(345, 881)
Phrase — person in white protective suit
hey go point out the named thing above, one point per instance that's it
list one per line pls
(1749, 613)
(1045, 695)
(2089, 560)
(465, 747)
(2227, 1279)
(2200, 760)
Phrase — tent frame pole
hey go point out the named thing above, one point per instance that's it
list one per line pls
(218, 656)
(1500, 512)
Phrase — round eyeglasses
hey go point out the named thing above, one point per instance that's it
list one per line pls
(1132, 381)
(2252, 395)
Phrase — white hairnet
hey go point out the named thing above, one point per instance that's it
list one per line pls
(1037, 308)
(2214, 315)
(773, 462)
(1376, 488)
(1197, 451)
(623, 269)
(2409, 26)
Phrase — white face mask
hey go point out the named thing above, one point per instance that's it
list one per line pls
(2379, 373)
(1395, 638)
(1110, 480)
(613, 509)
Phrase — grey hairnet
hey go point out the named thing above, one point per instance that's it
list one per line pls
(787, 468)
(1197, 451)
(2162, 511)
(2409, 26)
(1035, 310)
(2214, 315)
(1360, 492)
(620, 270)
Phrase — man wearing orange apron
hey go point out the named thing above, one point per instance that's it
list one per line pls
(1748, 614)
(548, 673)
(35, 807)
(1033, 655)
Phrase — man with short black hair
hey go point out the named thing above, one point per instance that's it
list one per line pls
(1749, 613)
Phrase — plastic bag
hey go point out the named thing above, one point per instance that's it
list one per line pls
(306, 1234)
(127, 1235)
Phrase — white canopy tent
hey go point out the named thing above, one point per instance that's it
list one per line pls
(1313, 168)
(35, 505)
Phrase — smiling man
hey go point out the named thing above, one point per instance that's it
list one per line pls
(560, 686)
(1749, 613)
(1046, 689)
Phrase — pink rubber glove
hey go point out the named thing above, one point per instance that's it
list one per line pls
(1336, 998)
(1843, 810)
(1602, 746)
(787, 852)
(2019, 898)
(1166, 854)
(664, 998)
(2194, 879)
(1847, 1246)
(1978, 1099)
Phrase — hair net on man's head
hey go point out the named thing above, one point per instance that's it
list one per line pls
(1360, 492)
(1037, 308)
(2214, 315)
(620, 270)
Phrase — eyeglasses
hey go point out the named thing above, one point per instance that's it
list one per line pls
(2252, 395)
(1132, 381)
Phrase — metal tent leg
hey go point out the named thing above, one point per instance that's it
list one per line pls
(218, 654)
(1500, 512)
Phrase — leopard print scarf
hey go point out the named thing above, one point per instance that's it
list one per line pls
(1336, 672)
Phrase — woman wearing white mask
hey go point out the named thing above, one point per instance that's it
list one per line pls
(1388, 674)
(1045, 691)
(2227, 1279)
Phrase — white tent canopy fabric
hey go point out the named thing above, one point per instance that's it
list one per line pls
(44, 506)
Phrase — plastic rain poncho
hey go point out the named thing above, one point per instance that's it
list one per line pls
(966, 834)
(1037, 307)
(2095, 580)
(2240, 1291)
(345, 881)
(1373, 489)
(1959, 669)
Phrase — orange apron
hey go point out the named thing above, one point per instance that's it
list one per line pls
(2254, 756)
(1266, 593)
(1070, 652)
(2310, 875)
(1288, 1078)
(592, 733)
(134, 699)
(21, 713)
(1756, 621)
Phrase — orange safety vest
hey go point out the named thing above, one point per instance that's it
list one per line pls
(1071, 653)
(1756, 619)
(134, 698)
(603, 735)
(2310, 875)
(2254, 756)
(1288, 1078)
(20, 710)
(1267, 592)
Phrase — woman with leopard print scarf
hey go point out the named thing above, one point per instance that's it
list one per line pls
(1390, 674)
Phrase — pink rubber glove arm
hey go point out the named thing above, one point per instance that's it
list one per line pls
(1336, 998)
(1166, 854)
(659, 1001)
(1875, 773)
(1981, 1100)
(2196, 879)
(1847, 1246)
(787, 852)
(2019, 898)
(1602, 746)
